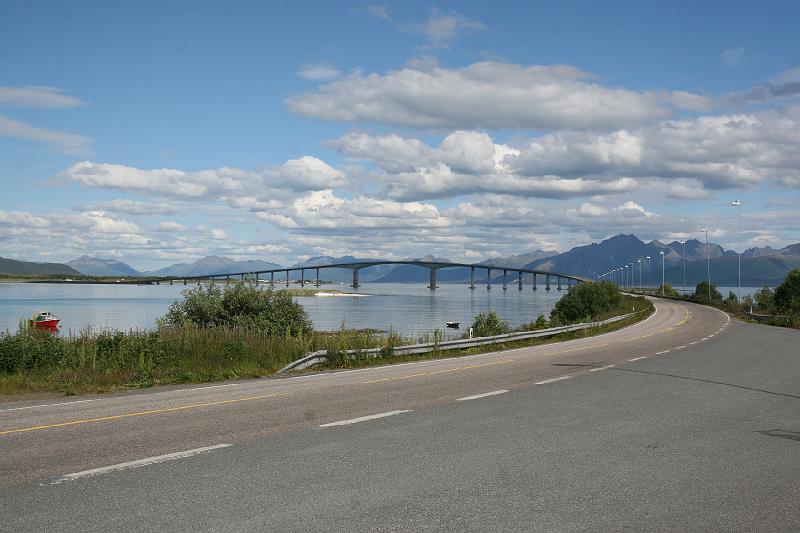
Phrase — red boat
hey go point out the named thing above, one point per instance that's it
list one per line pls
(44, 320)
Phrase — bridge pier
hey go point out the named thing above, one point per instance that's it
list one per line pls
(287, 278)
(519, 280)
(184, 282)
(534, 281)
(488, 279)
(432, 282)
(505, 279)
(355, 284)
(271, 279)
(547, 282)
(472, 278)
(559, 282)
(302, 277)
(317, 280)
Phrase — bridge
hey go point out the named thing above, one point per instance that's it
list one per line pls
(433, 266)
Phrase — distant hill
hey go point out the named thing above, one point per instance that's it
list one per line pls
(12, 267)
(213, 265)
(518, 261)
(759, 265)
(366, 275)
(93, 266)
(416, 274)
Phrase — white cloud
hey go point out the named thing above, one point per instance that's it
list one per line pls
(488, 94)
(379, 11)
(170, 226)
(442, 28)
(37, 97)
(733, 57)
(319, 72)
(217, 234)
(592, 210)
(631, 208)
(230, 184)
(67, 143)
(133, 207)
(787, 85)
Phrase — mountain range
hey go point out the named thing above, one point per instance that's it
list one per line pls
(760, 266)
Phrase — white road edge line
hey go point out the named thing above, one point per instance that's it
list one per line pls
(484, 395)
(137, 464)
(693, 342)
(680, 347)
(48, 405)
(209, 387)
(637, 358)
(661, 353)
(601, 368)
(364, 418)
(545, 382)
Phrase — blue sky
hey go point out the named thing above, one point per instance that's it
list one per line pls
(157, 132)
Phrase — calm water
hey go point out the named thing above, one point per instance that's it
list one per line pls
(410, 309)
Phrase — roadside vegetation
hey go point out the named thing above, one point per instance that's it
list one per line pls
(780, 307)
(239, 330)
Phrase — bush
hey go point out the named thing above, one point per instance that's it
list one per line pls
(701, 293)
(586, 301)
(240, 305)
(764, 300)
(488, 325)
(787, 295)
(666, 290)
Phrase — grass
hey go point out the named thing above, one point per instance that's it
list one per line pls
(35, 361)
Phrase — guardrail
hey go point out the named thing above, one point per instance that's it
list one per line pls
(321, 356)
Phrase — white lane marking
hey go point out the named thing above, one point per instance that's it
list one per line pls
(661, 353)
(601, 368)
(545, 382)
(209, 387)
(364, 418)
(680, 347)
(137, 464)
(484, 395)
(712, 335)
(637, 358)
(704, 339)
(693, 342)
(48, 405)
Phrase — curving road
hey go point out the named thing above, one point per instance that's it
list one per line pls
(687, 420)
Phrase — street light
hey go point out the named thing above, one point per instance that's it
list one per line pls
(684, 265)
(640, 275)
(649, 284)
(737, 204)
(708, 264)
(662, 272)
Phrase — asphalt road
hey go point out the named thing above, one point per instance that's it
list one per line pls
(687, 421)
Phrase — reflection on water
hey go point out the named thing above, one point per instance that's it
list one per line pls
(408, 308)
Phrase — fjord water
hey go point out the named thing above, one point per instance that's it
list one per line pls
(410, 309)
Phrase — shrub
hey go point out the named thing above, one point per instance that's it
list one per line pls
(764, 299)
(666, 290)
(586, 301)
(488, 325)
(787, 295)
(701, 293)
(240, 305)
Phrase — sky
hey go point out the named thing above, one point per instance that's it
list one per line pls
(160, 132)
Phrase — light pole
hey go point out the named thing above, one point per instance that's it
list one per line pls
(649, 284)
(627, 282)
(640, 275)
(738, 205)
(708, 264)
(662, 272)
(684, 265)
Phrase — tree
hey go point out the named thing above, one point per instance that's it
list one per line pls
(787, 294)
(586, 301)
(488, 325)
(666, 290)
(239, 305)
(702, 290)
(764, 299)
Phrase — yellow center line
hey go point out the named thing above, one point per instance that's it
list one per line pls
(578, 349)
(140, 413)
(639, 337)
(409, 376)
